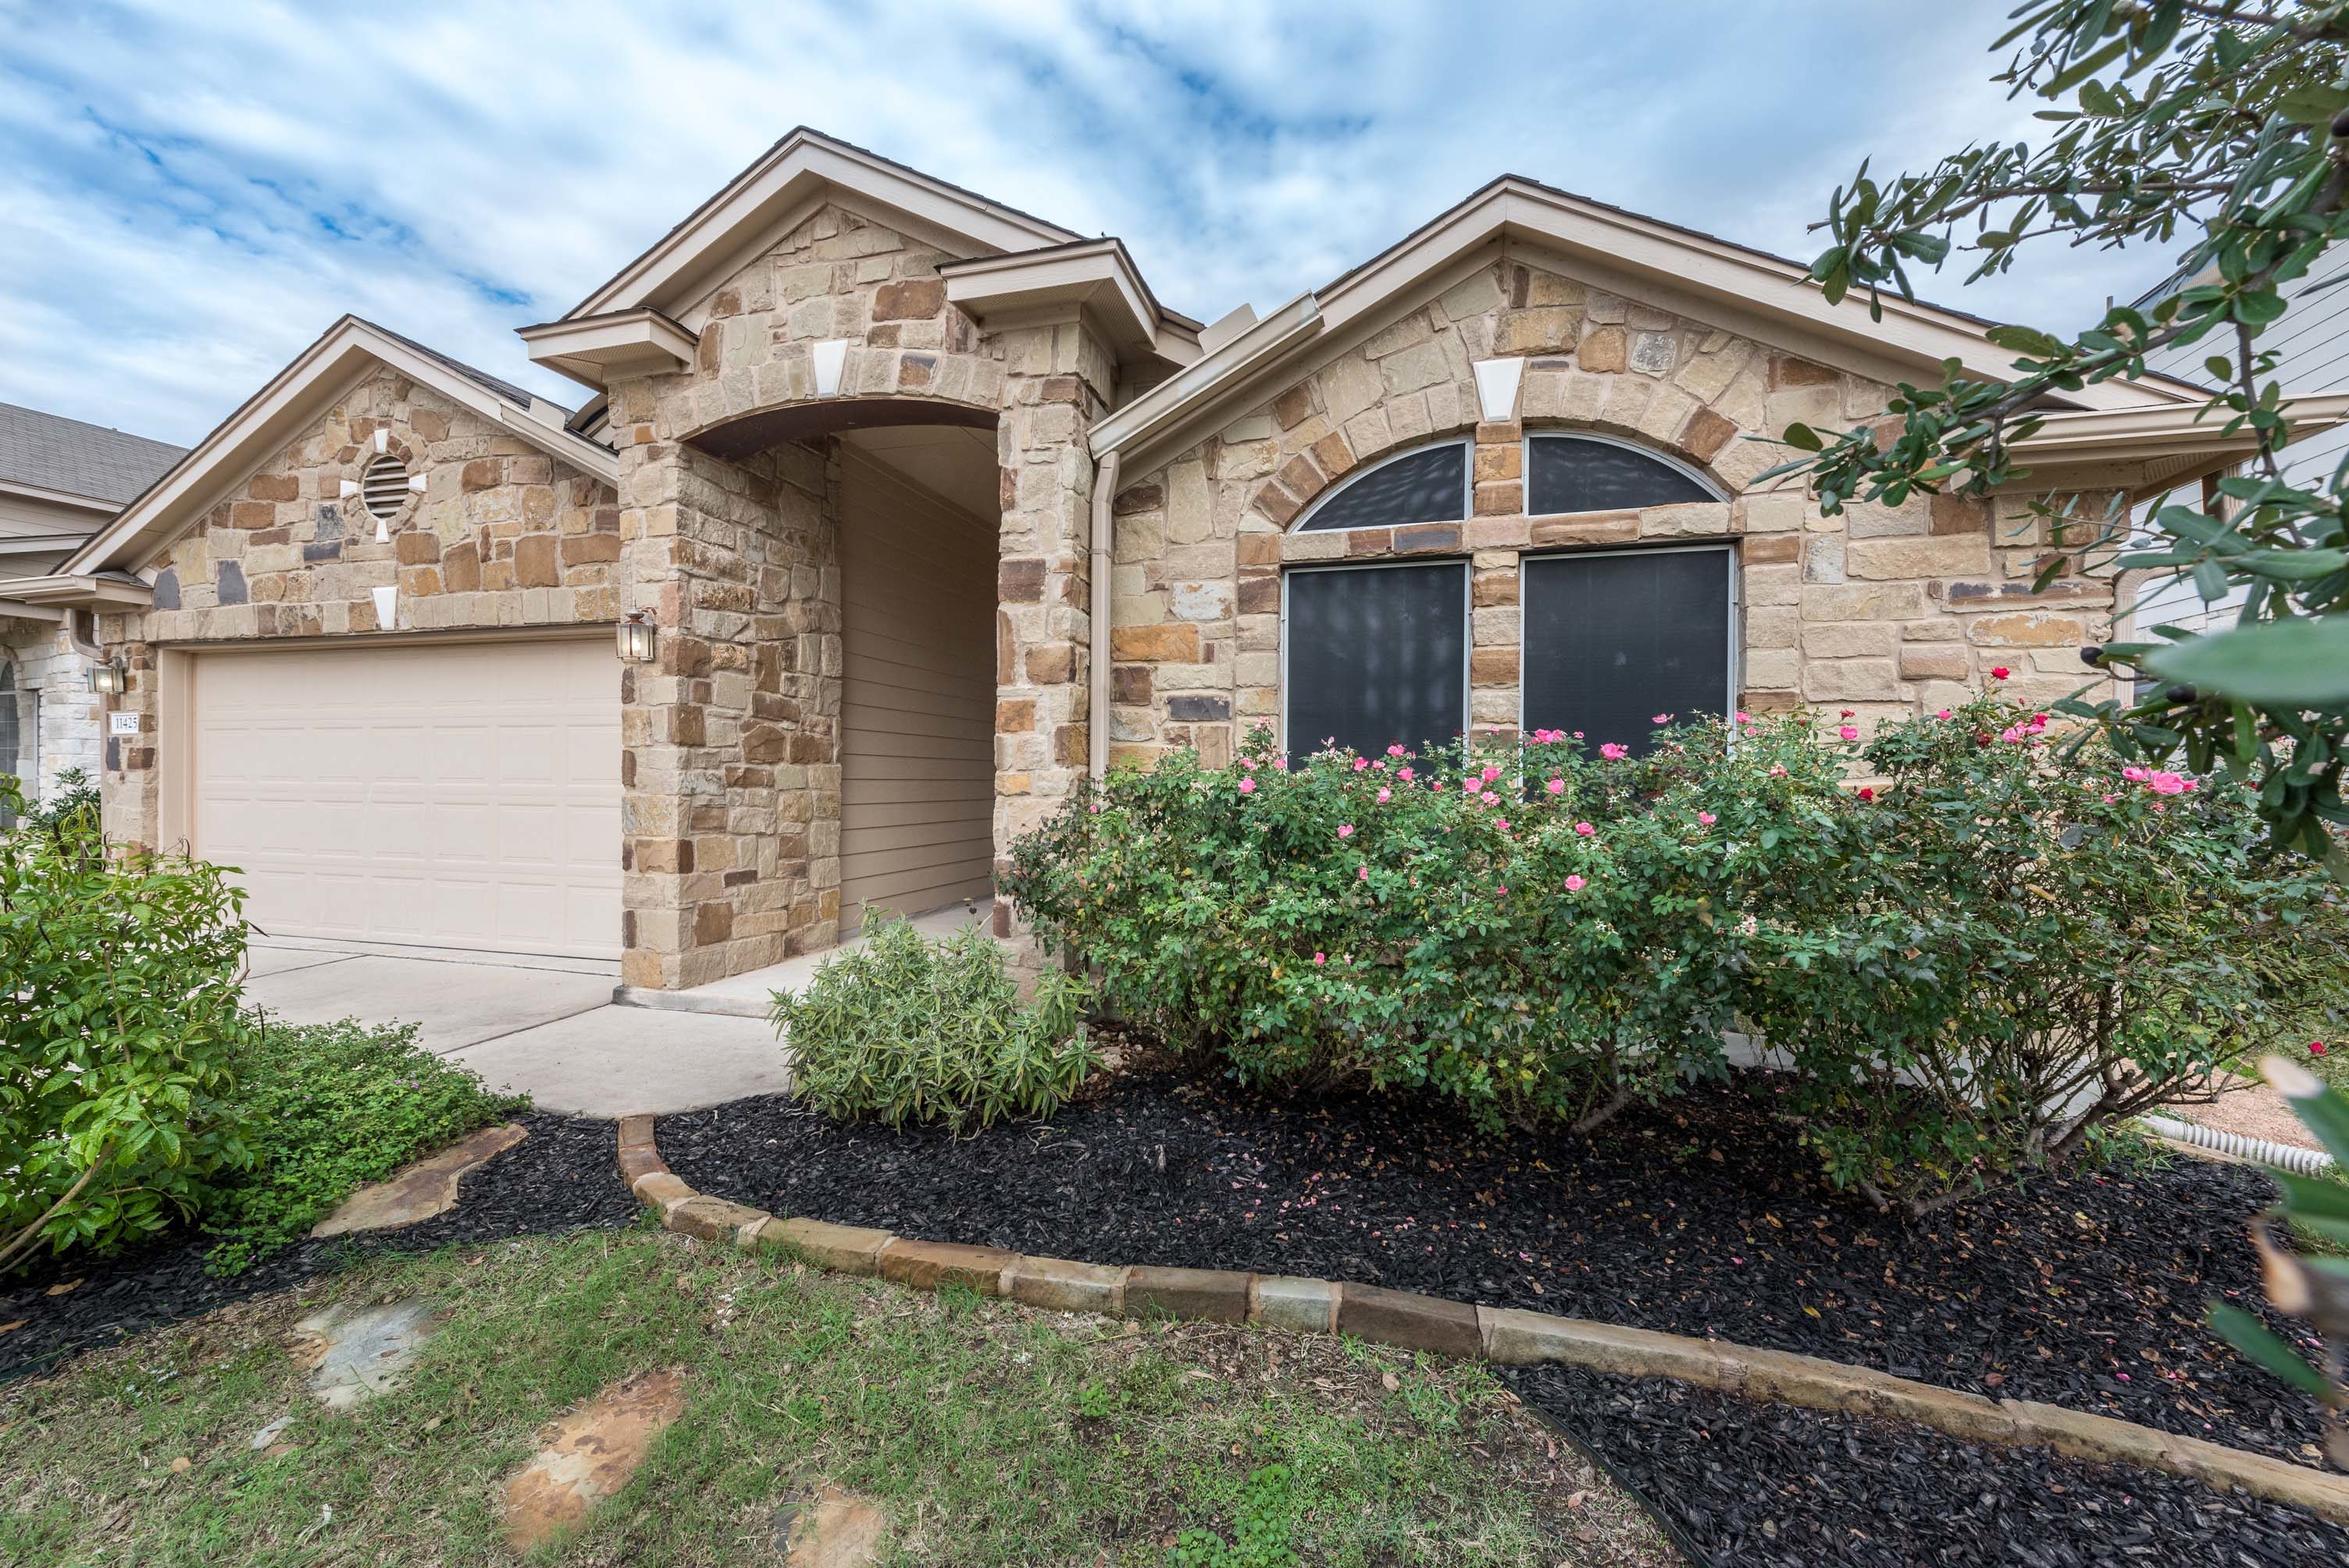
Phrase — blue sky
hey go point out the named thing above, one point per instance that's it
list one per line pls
(190, 193)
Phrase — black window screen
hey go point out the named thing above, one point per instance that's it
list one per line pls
(1377, 655)
(1611, 641)
(1430, 486)
(1569, 473)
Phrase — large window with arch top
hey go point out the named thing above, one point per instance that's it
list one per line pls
(1426, 484)
(1568, 472)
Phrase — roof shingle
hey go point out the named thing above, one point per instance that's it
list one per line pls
(51, 452)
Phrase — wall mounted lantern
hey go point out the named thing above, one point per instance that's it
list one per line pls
(636, 639)
(111, 679)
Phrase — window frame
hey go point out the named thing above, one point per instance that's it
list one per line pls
(1467, 625)
(1731, 634)
(1687, 471)
(1304, 519)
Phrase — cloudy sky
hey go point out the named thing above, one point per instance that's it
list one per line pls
(189, 193)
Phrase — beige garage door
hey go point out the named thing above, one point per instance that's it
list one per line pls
(460, 795)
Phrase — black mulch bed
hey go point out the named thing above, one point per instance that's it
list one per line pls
(2086, 1292)
(1759, 1486)
(561, 1177)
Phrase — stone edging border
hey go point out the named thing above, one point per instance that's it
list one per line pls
(1506, 1336)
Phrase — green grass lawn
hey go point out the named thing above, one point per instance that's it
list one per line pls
(989, 1432)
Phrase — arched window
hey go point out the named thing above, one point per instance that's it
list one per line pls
(1426, 485)
(1592, 473)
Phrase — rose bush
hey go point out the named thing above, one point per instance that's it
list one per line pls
(1965, 966)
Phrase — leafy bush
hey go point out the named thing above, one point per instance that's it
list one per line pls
(119, 1024)
(334, 1107)
(904, 1029)
(1965, 970)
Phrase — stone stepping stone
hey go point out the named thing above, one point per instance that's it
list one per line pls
(355, 1353)
(834, 1528)
(421, 1190)
(589, 1455)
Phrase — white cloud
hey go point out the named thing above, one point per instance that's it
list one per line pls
(188, 195)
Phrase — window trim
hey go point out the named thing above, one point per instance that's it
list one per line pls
(1467, 626)
(1687, 471)
(1304, 519)
(1732, 635)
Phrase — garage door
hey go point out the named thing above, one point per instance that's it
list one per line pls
(450, 796)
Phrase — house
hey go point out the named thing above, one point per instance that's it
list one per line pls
(2312, 349)
(60, 479)
(928, 506)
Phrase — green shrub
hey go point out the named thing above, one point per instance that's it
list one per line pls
(334, 1107)
(903, 1029)
(119, 1023)
(1965, 970)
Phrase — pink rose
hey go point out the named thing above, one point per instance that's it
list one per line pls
(2136, 775)
(1491, 773)
(1585, 828)
(1437, 787)
(2000, 673)
(1096, 808)
(1847, 732)
(1345, 830)
(1742, 716)
(1943, 714)
(1488, 799)
(1502, 823)
(1707, 819)
(1319, 959)
(1395, 750)
(1612, 752)
(2165, 784)
(1660, 719)
(1405, 774)
(1281, 763)
(1777, 770)
(1575, 884)
(1386, 796)
(1247, 786)
(1867, 794)
(1555, 786)
(1248, 763)
(1361, 874)
(2317, 1048)
(1361, 763)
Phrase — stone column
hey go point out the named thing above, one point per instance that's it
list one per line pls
(1057, 380)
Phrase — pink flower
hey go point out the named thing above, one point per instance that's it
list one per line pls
(1491, 773)
(1386, 796)
(1280, 763)
(1498, 888)
(2317, 1048)
(2165, 784)
(1575, 884)
(1488, 799)
(1361, 763)
(2136, 775)
(1866, 793)
(1744, 717)
(1660, 719)
(1502, 823)
(1555, 786)
(1847, 713)
(2014, 735)
(1943, 714)
(1437, 787)
(1362, 873)
(1405, 774)
(1248, 763)
(1612, 752)
(1096, 808)
(2000, 673)
(2108, 799)
(1578, 735)
(1396, 750)
(1319, 959)
(1585, 828)
(1707, 819)
(1247, 786)
(1848, 731)
(1777, 770)
(1345, 830)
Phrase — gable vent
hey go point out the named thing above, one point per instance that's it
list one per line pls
(383, 489)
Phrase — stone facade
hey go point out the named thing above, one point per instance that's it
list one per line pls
(44, 664)
(733, 775)
(1882, 611)
(501, 536)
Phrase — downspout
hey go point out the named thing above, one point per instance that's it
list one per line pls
(1097, 604)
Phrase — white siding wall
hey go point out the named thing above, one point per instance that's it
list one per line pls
(917, 718)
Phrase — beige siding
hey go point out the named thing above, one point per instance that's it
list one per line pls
(917, 721)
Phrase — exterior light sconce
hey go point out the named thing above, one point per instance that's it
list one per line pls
(111, 679)
(636, 639)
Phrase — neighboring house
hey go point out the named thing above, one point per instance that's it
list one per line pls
(60, 480)
(2312, 349)
(933, 508)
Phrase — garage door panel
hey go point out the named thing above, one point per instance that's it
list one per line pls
(461, 796)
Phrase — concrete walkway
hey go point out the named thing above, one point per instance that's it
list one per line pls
(547, 1027)
(747, 994)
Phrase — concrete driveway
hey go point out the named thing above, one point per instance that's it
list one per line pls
(544, 1025)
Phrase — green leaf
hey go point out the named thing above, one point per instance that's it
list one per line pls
(2301, 663)
(2250, 1335)
(2312, 103)
(1803, 437)
(2025, 340)
(2258, 309)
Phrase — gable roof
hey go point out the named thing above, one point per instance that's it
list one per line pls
(1676, 268)
(73, 459)
(346, 352)
(777, 192)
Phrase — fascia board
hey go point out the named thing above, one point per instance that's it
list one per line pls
(81, 588)
(58, 497)
(793, 174)
(1095, 277)
(591, 349)
(1179, 398)
(2147, 433)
